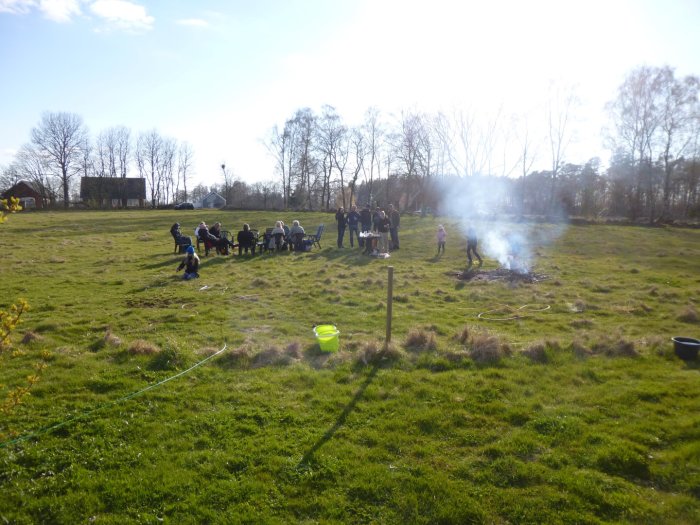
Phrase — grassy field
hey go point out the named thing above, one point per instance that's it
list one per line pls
(576, 411)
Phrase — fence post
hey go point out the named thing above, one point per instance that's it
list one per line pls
(389, 301)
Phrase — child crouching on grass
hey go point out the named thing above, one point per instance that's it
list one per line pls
(190, 263)
(441, 237)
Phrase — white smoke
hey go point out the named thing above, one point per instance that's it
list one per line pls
(488, 206)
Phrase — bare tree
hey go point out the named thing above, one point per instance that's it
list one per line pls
(561, 104)
(678, 105)
(148, 159)
(278, 145)
(374, 136)
(185, 157)
(59, 138)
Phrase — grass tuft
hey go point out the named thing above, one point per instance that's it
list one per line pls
(112, 340)
(142, 347)
(487, 349)
(30, 337)
(615, 348)
(419, 340)
(537, 353)
(371, 352)
(689, 315)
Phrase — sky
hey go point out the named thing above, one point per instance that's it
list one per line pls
(220, 74)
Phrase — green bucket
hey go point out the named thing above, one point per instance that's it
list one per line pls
(327, 337)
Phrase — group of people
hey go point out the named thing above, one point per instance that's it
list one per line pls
(280, 237)
(383, 222)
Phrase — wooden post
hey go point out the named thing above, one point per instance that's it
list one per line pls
(389, 301)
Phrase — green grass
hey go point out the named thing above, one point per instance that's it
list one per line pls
(584, 415)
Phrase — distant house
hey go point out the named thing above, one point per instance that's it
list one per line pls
(29, 195)
(113, 192)
(213, 200)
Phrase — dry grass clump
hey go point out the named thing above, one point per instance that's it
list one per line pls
(142, 347)
(456, 356)
(579, 349)
(293, 350)
(276, 356)
(372, 352)
(463, 336)
(615, 348)
(487, 349)
(537, 353)
(236, 357)
(581, 323)
(689, 315)
(112, 340)
(30, 337)
(207, 351)
(419, 340)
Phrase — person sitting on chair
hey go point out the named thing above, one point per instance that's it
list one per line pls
(190, 263)
(216, 232)
(210, 240)
(296, 234)
(181, 242)
(277, 236)
(246, 240)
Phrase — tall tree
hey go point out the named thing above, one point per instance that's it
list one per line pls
(59, 137)
(678, 107)
(561, 104)
(185, 158)
(148, 160)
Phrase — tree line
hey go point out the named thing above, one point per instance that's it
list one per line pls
(413, 158)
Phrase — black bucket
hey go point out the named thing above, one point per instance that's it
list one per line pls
(686, 347)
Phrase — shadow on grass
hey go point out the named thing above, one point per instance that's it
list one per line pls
(351, 256)
(161, 264)
(328, 435)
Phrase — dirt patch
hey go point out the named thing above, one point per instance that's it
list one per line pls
(500, 274)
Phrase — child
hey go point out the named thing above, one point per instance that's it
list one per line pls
(191, 262)
(441, 237)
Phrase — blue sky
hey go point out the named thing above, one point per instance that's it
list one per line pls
(220, 74)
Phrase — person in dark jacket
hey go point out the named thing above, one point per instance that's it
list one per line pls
(246, 240)
(395, 218)
(206, 236)
(181, 241)
(472, 241)
(383, 225)
(191, 264)
(342, 221)
(376, 218)
(354, 224)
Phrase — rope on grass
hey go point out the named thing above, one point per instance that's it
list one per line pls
(507, 308)
(84, 415)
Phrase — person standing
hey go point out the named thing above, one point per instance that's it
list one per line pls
(441, 238)
(376, 218)
(354, 224)
(383, 225)
(342, 221)
(472, 241)
(395, 219)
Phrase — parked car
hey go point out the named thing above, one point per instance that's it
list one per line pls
(184, 206)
